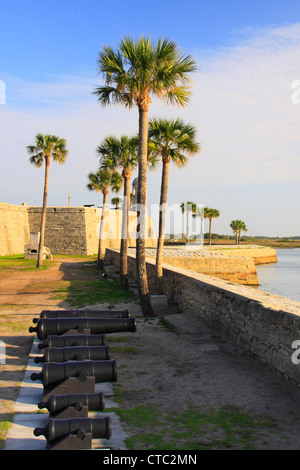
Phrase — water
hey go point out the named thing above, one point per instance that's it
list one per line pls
(282, 278)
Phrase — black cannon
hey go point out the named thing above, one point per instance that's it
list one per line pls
(57, 431)
(57, 403)
(59, 326)
(76, 353)
(53, 373)
(62, 341)
(83, 314)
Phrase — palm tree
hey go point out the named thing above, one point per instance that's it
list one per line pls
(171, 140)
(234, 227)
(134, 72)
(121, 154)
(238, 226)
(101, 181)
(45, 147)
(242, 228)
(188, 207)
(116, 201)
(210, 214)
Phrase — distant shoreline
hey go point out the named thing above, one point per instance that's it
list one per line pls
(268, 242)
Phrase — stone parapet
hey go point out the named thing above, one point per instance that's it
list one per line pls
(14, 229)
(262, 324)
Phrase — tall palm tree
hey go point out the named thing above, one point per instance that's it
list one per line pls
(45, 147)
(121, 154)
(189, 207)
(171, 140)
(133, 73)
(210, 214)
(102, 181)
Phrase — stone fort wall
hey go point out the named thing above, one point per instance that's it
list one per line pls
(14, 228)
(69, 230)
(263, 325)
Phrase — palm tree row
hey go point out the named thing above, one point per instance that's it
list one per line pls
(238, 226)
(133, 73)
(169, 140)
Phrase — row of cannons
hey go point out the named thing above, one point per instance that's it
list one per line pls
(75, 358)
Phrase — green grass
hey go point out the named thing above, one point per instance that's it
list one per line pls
(20, 263)
(4, 427)
(193, 429)
(79, 293)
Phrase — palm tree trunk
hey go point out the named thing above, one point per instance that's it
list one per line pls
(44, 210)
(210, 231)
(141, 272)
(101, 231)
(162, 222)
(124, 236)
(187, 226)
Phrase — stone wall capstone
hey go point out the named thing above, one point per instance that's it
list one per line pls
(259, 323)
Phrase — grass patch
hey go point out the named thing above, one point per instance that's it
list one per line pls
(4, 427)
(167, 325)
(21, 263)
(123, 349)
(193, 429)
(80, 293)
(20, 307)
(14, 324)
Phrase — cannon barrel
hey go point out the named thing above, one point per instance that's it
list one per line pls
(62, 341)
(59, 326)
(94, 402)
(83, 314)
(76, 353)
(53, 373)
(58, 428)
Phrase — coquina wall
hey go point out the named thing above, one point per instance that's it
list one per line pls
(74, 230)
(261, 324)
(14, 229)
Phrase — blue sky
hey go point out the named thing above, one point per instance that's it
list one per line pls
(244, 102)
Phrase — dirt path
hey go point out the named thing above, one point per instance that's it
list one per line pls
(17, 309)
(169, 370)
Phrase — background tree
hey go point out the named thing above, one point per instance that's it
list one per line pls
(171, 140)
(210, 214)
(121, 154)
(188, 208)
(45, 147)
(102, 181)
(242, 228)
(134, 72)
(116, 201)
(238, 226)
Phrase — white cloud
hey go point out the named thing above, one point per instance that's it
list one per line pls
(248, 127)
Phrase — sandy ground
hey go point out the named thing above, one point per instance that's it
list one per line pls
(173, 370)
